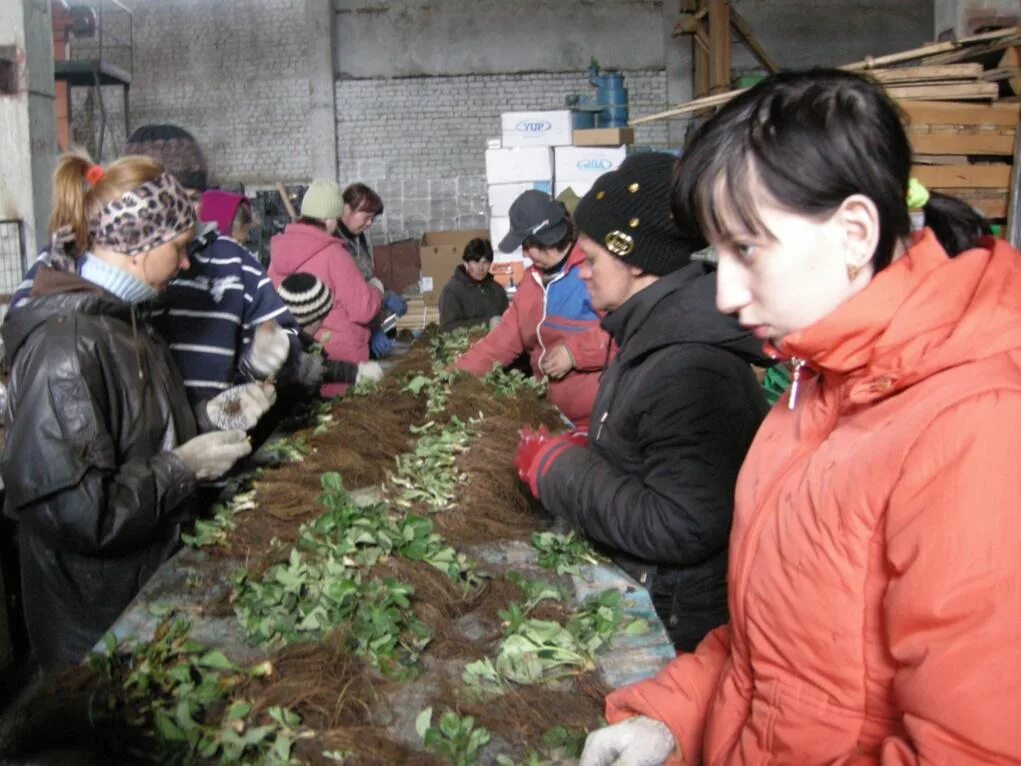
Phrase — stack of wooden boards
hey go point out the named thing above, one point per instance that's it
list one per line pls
(966, 150)
(962, 110)
(420, 314)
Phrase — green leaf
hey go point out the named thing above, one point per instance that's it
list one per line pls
(637, 627)
(169, 731)
(331, 482)
(238, 710)
(216, 659)
(423, 722)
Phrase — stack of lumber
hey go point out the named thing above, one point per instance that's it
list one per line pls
(965, 150)
(962, 116)
(420, 314)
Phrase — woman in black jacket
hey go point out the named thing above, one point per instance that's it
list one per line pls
(472, 296)
(102, 447)
(676, 410)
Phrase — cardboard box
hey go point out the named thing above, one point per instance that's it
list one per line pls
(537, 128)
(502, 196)
(583, 163)
(581, 188)
(440, 252)
(522, 163)
(604, 137)
(398, 265)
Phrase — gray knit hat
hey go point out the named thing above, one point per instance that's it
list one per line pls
(307, 298)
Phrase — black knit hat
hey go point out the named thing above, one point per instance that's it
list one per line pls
(307, 298)
(627, 211)
(176, 149)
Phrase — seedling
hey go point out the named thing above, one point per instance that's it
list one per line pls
(455, 738)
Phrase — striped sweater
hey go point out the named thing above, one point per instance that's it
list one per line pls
(208, 315)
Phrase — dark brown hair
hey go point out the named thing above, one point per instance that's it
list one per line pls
(361, 199)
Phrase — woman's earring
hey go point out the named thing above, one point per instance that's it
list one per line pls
(853, 272)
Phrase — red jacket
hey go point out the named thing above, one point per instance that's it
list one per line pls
(544, 316)
(874, 583)
(305, 248)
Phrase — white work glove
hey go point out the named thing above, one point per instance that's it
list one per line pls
(369, 371)
(637, 741)
(494, 322)
(269, 350)
(374, 282)
(211, 455)
(241, 406)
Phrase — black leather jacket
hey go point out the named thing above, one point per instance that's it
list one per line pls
(94, 406)
(675, 414)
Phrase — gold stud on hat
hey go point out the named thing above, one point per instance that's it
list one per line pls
(619, 243)
(633, 223)
(600, 194)
(633, 187)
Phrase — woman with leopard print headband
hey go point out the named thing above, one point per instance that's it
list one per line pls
(103, 448)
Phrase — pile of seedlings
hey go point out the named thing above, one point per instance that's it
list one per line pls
(405, 598)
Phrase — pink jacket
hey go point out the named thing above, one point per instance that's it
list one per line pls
(305, 248)
(540, 318)
(874, 584)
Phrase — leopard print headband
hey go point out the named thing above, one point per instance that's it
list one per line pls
(145, 217)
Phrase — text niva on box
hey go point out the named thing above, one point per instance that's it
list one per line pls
(595, 165)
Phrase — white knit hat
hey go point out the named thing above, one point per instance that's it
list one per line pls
(322, 200)
(307, 298)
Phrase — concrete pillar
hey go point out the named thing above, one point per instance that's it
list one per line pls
(322, 119)
(28, 140)
(677, 59)
(962, 18)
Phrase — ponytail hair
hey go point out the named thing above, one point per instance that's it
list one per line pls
(956, 224)
(75, 201)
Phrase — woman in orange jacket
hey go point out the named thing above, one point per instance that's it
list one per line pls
(874, 586)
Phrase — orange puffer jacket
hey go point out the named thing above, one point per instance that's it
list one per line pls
(875, 571)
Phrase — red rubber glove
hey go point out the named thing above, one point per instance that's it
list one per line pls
(538, 450)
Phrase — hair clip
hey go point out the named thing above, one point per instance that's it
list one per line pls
(94, 175)
(918, 195)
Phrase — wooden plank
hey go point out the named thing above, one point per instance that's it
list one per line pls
(945, 48)
(719, 45)
(1014, 205)
(963, 176)
(925, 73)
(989, 205)
(962, 114)
(942, 92)
(974, 51)
(751, 42)
(962, 143)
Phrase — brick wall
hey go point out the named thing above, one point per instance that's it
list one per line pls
(233, 73)
(420, 141)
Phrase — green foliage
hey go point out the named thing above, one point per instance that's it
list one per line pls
(428, 474)
(325, 583)
(455, 738)
(217, 529)
(181, 693)
(539, 651)
(285, 449)
(512, 382)
(564, 554)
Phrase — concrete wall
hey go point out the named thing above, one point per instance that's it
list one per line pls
(961, 18)
(28, 143)
(420, 83)
(446, 37)
(234, 73)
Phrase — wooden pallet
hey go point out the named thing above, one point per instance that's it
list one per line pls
(965, 150)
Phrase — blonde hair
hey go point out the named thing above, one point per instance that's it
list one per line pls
(74, 204)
